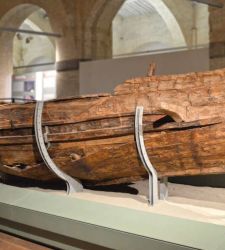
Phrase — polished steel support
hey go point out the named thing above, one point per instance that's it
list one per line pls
(73, 185)
(153, 179)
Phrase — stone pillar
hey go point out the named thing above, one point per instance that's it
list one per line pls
(6, 68)
(217, 37)
(68, 78)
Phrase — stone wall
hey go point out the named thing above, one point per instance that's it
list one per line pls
(85, 26)
(86, 29)
(217, 37)
(166, 26)
(30, 49)
(143, 33)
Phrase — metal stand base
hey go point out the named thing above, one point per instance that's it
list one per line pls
(156, 191)
(72, 184)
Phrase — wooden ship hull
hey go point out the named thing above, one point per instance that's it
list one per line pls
(92, 138)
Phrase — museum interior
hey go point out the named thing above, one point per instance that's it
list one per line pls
(111, 124)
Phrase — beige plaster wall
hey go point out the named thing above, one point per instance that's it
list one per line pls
(140, 33)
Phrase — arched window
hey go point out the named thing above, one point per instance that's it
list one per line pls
(31, 50)
(27, 53)
(149, 25)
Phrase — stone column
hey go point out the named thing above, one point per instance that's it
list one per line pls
(6, 68)
(217, 37)
(68, 78)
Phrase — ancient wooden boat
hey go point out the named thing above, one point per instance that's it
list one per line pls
(92, 137)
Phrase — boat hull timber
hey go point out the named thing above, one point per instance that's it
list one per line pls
(92, 137)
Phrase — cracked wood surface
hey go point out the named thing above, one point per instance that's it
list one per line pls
(92, 137)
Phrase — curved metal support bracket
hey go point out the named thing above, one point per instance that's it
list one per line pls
(153, 179)
(72, 184)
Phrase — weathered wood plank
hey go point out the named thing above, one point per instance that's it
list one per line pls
(92, 138)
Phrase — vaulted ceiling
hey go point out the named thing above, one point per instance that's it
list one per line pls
(135, 8)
